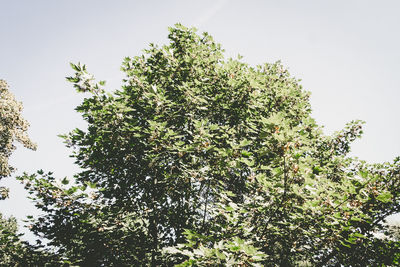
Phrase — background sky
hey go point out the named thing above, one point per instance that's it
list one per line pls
(347, 54)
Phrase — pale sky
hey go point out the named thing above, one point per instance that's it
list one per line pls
(347, 54)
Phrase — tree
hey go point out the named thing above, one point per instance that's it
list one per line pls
(13, 128)
(16, 252)
(199, 160)
(8, 240)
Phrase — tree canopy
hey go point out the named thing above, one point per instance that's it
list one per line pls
(13, 128)
(200, 160)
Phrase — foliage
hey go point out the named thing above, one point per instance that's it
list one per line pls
(201, 161)
(15, 252)
(8, 238)
(13, 129)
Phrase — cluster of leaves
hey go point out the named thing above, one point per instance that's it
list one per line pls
(13, 128)
(9, 241)
(16, 252)
(201, 161)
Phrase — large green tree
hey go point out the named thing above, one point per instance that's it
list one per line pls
(201, 160)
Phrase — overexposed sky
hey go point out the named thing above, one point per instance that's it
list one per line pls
(347, 54)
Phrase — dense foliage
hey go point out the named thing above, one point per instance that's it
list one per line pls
(13, 128)
(14, 251)
(199, 161)
(9, 241)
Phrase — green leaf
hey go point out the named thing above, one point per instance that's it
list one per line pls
(385, 197)
(359, 235)
(220, 255)
(75, 67)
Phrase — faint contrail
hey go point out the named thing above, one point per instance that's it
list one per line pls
(210, 13)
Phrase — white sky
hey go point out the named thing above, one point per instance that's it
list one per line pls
(347, 53)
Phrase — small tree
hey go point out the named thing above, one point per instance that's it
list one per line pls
(201, 161)
(16, 252)
(13, 128)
